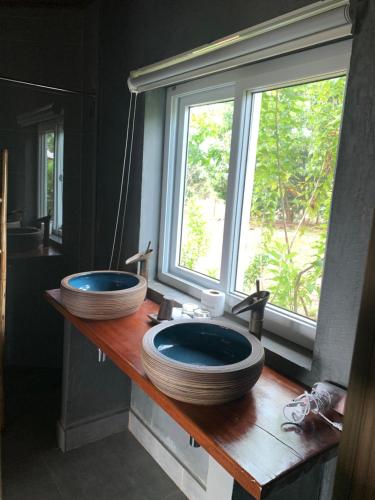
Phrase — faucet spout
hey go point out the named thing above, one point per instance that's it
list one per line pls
(256, 303)
(141, 259)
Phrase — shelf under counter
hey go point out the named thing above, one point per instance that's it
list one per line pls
(247, 437)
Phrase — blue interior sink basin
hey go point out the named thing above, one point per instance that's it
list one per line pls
(202, 362)
(202, 344)
(103, 281)
(103, 294)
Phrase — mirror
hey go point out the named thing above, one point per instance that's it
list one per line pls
(45, 132)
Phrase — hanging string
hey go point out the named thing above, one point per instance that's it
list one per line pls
(122, 182)
(127, 184)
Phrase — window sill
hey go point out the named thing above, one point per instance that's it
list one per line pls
(292, 328)
(286, 349)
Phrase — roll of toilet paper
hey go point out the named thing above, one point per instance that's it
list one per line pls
(213, 301)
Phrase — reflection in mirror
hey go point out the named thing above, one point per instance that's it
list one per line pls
(44, 133)
(34, 135)
(50, 172)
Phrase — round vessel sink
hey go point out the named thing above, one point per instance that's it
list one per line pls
(202, 362)
(103, 294)
(202, 344)
(23, 239)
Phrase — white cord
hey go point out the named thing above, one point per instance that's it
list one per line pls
(127, 183)
(318, 402)
(336, 425)
(122, 183)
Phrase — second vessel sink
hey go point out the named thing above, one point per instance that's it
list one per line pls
(23, 239)
(202, 362)
(103, 294)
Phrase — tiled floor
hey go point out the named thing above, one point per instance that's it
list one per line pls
(116, 468)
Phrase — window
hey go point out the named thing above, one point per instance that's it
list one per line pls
(51, 151)
(250, 158)
(288, 190)
(205, 172)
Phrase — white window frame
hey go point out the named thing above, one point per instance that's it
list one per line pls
(307, 66)
(57, 127)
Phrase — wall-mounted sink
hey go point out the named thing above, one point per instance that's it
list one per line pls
(103, 294)
(23, 239)
(202, 362)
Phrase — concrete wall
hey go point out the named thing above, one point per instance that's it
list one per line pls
(174, 438)
(95, 394)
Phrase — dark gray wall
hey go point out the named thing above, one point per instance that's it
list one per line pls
(45, 45)
(52, 47)
(57, 47)
(134, 34)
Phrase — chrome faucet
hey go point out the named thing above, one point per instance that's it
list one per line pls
(256, 303)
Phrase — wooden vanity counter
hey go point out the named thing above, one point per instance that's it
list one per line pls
(248, 437)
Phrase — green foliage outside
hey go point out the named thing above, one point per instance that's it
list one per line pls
(210, 131)
(292, 188)
(295, 164)
(196, 243)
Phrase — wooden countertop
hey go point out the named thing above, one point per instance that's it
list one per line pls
(248, 437)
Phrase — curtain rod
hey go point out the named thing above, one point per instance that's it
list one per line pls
(321, 22)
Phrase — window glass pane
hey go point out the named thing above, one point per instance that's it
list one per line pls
(59, 179)
(290, 171)
(50, 164)
(206, 178)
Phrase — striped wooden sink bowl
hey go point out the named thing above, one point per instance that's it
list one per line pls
(103, 294)
(202, 362)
